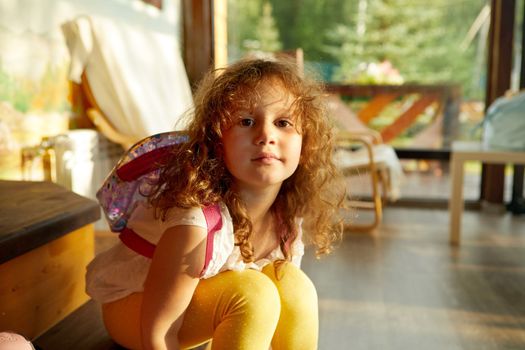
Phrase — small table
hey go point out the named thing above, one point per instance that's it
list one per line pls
(471, 151)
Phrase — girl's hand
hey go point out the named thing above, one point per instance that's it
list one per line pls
(170, 284)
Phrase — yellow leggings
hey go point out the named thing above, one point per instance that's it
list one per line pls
(241, 310)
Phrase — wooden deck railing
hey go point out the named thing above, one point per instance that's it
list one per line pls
(445, 98)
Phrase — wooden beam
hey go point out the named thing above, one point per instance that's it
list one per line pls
(220, 33)
(519, 170)
(499, 68)
(407, 118)
(198, 38)
(373, 90)
(375, 106)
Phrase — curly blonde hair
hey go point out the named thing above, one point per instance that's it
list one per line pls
(197, 176)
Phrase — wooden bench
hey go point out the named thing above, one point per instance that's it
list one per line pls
(46, 241)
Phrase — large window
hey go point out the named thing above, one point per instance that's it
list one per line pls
(422, 63)
(378, 42)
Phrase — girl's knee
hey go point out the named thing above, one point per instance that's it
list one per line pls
(290, 276)
(248, 311)
(299, 321)
(297, 292)
(253, 295)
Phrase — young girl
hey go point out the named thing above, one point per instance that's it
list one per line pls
(260, 149)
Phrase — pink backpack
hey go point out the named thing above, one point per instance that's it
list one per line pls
(130, 182)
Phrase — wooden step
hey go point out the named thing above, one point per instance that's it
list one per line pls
(81, 330)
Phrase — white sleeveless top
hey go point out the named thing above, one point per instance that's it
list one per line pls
(120, 271)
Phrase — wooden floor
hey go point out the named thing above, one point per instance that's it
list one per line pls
(431, 184)
(405, 288)
(402, 287)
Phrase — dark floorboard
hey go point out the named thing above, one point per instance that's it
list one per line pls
(82, 330)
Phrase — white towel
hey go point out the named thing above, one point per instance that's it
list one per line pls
(136, 75)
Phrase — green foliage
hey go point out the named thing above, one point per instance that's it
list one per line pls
(267, 32)
(242, 15)
(13, 91)
(47, 94)
(251, 27)
(392, 32)
(420, 38)
(305, 23)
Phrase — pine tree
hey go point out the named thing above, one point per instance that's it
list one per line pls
(251, 27)
(241, 29)
(414, 35)
(267, 33)
(304, 23)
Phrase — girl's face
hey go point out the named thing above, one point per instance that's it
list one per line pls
(262, 146)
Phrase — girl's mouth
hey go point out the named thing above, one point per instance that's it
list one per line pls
(266, 158)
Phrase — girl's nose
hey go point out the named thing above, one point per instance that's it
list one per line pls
(265, 135)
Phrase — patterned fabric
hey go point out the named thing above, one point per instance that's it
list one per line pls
(131, 180)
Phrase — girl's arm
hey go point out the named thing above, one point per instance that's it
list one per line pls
(170, 284)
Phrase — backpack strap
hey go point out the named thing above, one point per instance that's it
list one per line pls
(144, 163)
(136, 243)
(212, 215)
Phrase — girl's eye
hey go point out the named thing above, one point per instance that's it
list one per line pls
(246, 122)
(283, 123)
